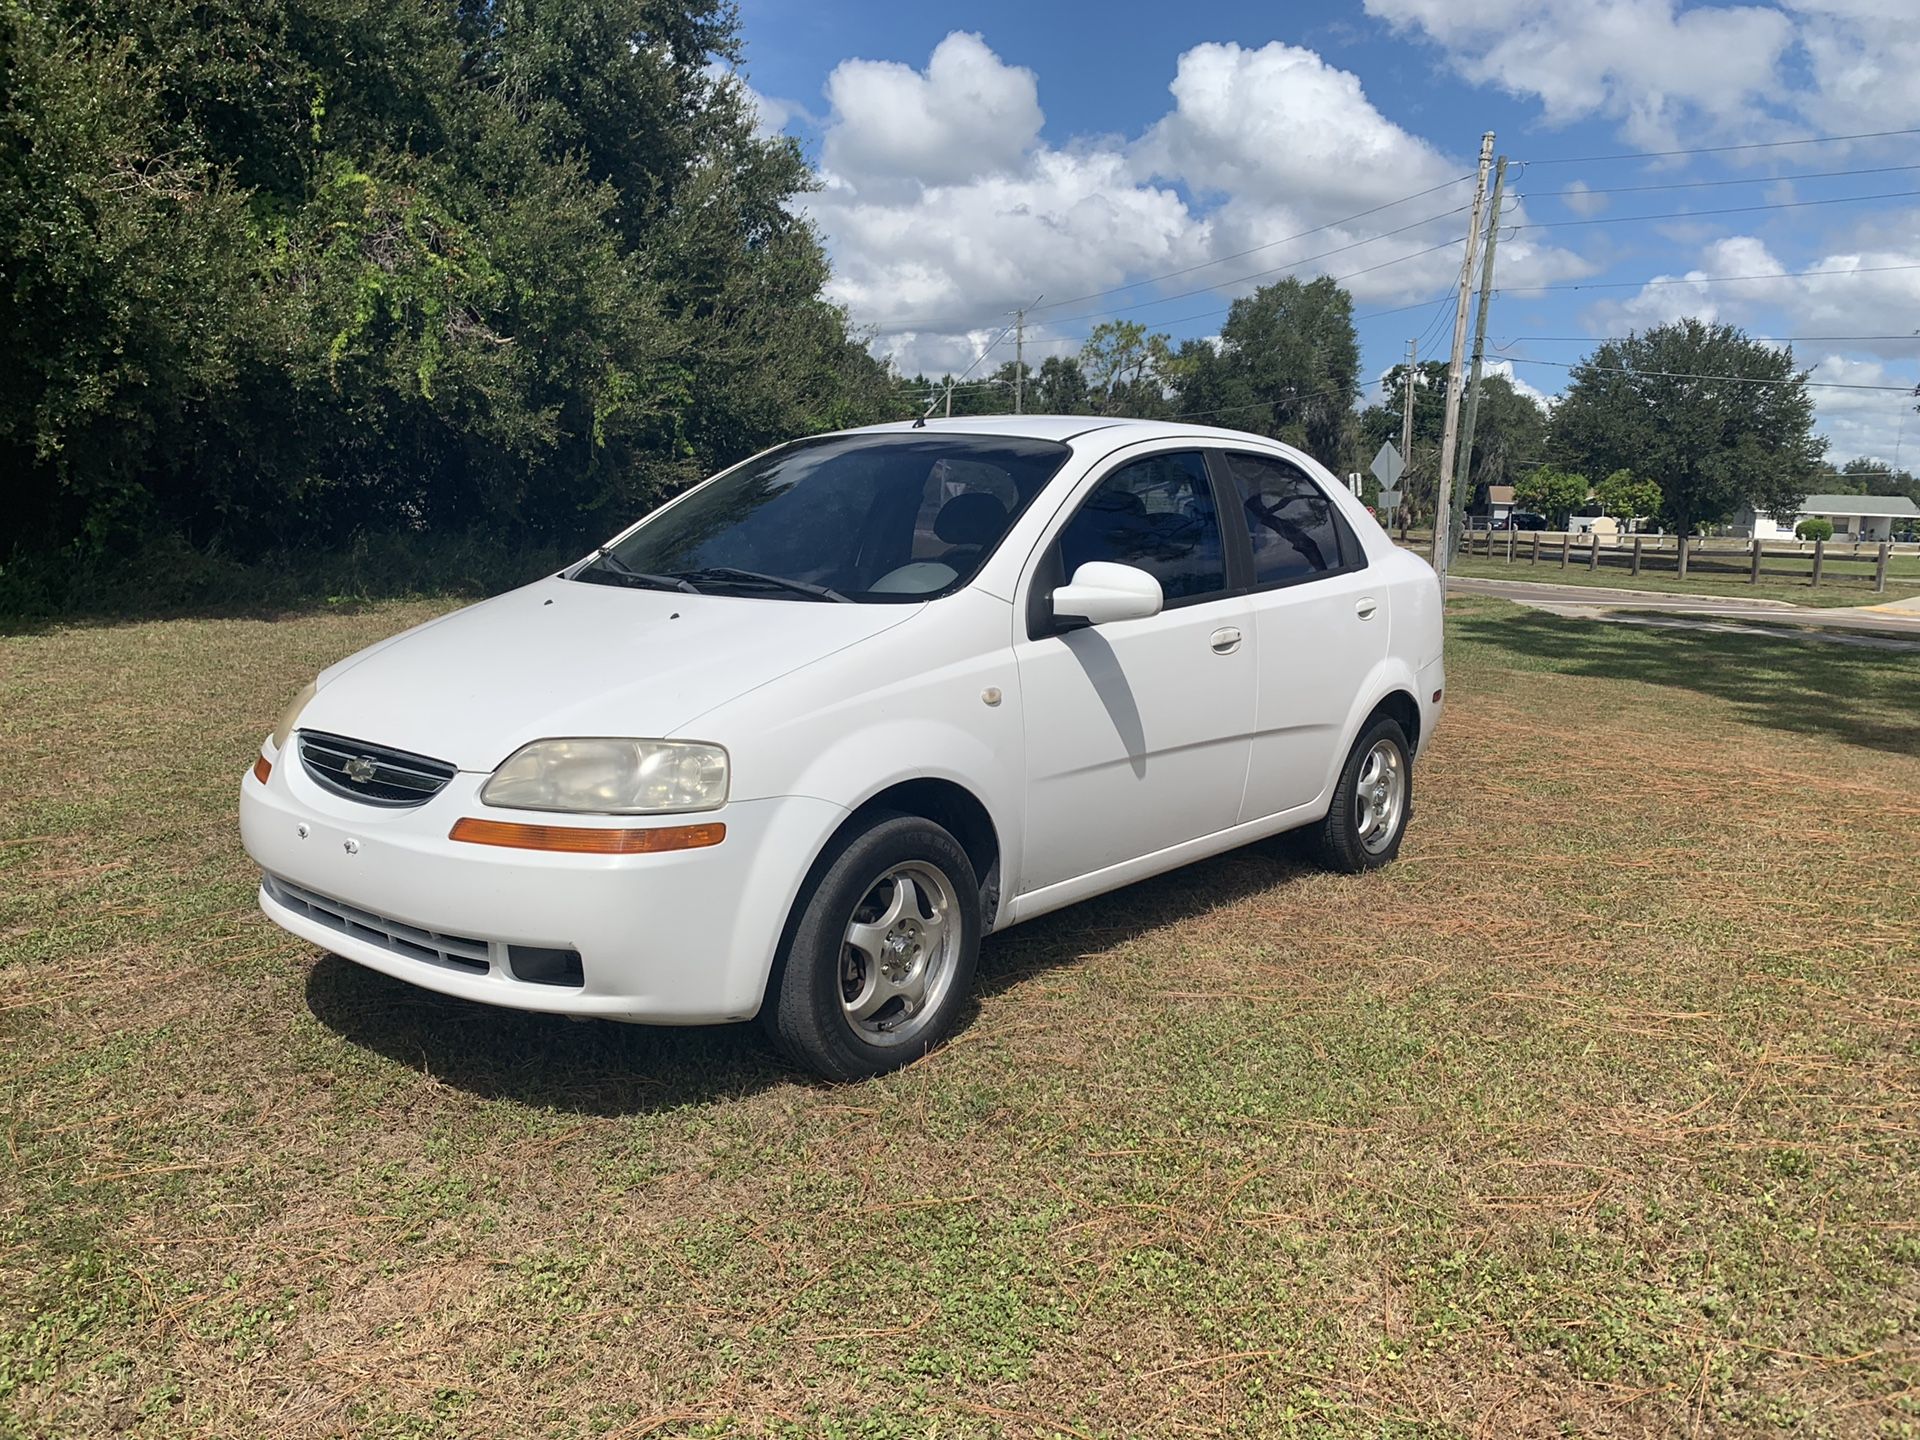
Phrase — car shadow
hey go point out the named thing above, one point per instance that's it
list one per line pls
(608, 1069)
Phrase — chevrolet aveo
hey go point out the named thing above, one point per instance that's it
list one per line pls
(791, 745)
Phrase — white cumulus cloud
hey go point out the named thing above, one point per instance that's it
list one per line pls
(943, 207)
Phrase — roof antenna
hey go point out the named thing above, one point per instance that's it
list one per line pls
(954, 380)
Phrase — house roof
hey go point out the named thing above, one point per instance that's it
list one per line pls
(1872, 506)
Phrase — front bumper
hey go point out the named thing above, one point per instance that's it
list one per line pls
(681, 937)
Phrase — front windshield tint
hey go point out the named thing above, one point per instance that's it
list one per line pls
(875, 518)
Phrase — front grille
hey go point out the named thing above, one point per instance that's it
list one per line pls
(455, 952)
(373, 774)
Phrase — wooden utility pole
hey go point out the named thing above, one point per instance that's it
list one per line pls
(1464, 462)
(1019, 358)
(1449, 432)
(1406, 429)
(1020, 352)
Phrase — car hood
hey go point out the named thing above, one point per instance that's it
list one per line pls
(561, 657)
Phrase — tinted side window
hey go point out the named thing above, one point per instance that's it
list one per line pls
(1158, 514)
(1295, 529)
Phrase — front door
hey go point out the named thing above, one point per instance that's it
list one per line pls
(1137, 733)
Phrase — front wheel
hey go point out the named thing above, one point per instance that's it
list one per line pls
(1371, 803)
(882, 954)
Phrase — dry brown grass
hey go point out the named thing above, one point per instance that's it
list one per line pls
(1597, 1114)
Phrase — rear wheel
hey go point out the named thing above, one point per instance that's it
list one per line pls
(882, 954)
(1371, 803)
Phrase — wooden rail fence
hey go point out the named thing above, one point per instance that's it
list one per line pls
(1670, 555)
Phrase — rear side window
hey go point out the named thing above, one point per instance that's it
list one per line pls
(1296, 530)
(1157, 514)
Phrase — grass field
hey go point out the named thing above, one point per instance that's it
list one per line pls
(1597, 1115)
(1844, 582)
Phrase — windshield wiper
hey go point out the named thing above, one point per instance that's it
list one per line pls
(613, 565)
(725, 573)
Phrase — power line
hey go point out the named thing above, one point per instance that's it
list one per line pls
(1700, 279)
(1609, 339)
(1743, 180)
(1684, 375)
(1702, 214)
(1723, 149)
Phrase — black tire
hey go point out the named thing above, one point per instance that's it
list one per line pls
(1338, 843)
(807, 1009)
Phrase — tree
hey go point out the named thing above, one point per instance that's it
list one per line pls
(295, 269)
(1127, 370)
(1509, 431)
(1814, 527)
(1713, 416)
(1625, 496)
(1553, 493)
(1059, 387)
(1287, 364)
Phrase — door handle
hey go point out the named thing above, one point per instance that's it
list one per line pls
(1226, 640)
(1366, 607)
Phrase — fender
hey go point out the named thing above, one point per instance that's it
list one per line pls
(1392, 674)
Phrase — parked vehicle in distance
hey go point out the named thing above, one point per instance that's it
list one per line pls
(793, 743)
(1526, 520)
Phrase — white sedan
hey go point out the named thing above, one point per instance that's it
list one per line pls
(792, 744)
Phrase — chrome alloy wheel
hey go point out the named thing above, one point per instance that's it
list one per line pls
(1380, 795)
(896, 962)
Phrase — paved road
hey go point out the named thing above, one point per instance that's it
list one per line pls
(1594, 602)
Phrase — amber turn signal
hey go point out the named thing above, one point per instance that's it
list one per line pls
(262, 767)
(581, 840)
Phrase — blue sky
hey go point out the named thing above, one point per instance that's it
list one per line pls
(975, 155)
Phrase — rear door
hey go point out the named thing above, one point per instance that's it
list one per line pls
(1320, 625)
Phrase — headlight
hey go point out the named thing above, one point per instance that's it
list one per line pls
(611, 777)
(290, 717)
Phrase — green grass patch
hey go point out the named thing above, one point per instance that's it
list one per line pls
(1594, 1115)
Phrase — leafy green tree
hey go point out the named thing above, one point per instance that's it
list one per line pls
(1711, 415)
(1127, 370)
(1553, 493)
(299, 269)
(1509, 433)
(1814, 527)
(1287, 365)
(1625, 496)
(1059, 388)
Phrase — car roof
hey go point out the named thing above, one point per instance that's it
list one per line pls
(1115, 431)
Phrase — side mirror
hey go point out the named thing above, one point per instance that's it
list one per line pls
(1102, 592)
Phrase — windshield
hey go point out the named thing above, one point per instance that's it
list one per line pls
(870, 518)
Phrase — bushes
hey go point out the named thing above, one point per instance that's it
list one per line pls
(1814, 528)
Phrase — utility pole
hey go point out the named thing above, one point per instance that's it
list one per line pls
(1465, 461)
(1406, 423)
(1449, 432)
(1020, 351)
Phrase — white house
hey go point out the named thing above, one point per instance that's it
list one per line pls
(1854, 517)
